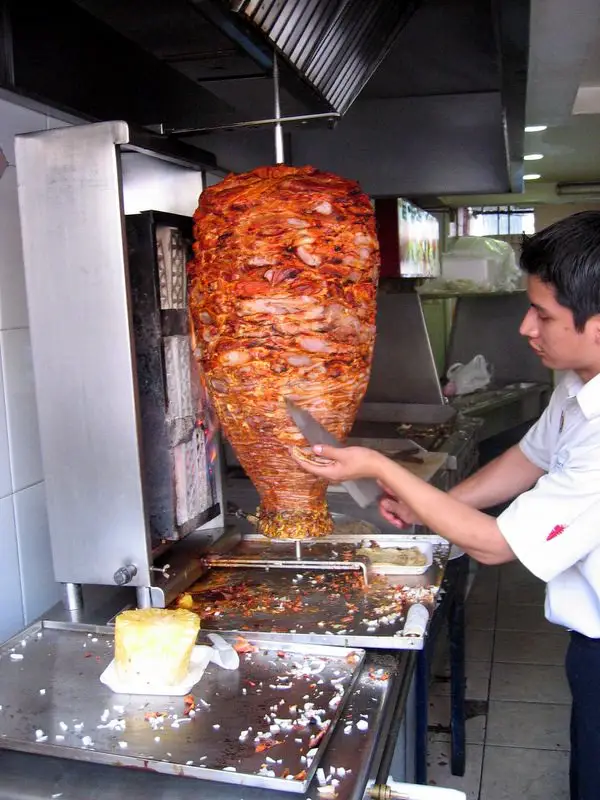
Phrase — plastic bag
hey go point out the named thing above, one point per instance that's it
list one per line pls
(467, 378)
(481, 264)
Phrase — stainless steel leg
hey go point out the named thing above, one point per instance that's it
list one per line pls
(72, 596)
(144, 597)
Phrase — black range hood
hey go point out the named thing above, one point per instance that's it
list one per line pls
(335, 45)
(432, 93)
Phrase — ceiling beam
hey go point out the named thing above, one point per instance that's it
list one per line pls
(511, 25)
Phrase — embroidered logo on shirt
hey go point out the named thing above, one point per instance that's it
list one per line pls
(556, 531)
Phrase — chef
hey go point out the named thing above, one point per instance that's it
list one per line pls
(553, 524)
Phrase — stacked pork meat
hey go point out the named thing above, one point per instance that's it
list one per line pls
(282, 297)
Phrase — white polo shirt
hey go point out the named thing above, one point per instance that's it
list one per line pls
(554, 529)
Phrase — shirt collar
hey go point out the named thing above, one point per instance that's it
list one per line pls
(587, 394)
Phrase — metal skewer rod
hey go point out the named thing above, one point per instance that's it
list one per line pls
(298, 551)
(330, 117)
(279, 148)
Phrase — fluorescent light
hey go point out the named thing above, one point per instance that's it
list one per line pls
(533, 157)
(532, 176)
(535, 128)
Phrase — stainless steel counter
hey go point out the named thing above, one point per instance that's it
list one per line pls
(374, 701)
(504, 408)
(379, 703)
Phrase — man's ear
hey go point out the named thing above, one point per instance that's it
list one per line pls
(594, 323)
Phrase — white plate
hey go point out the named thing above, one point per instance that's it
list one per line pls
(201, 655)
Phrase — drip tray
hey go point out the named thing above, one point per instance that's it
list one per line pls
(53, 703)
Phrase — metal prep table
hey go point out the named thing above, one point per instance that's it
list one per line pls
(34, 776)
(461, 449)
(382, 704)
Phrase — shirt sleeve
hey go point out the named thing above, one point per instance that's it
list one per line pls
(557, 523)
(538, 442)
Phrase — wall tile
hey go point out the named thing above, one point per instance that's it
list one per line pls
(13, 301)
(5, 476)
(11, 618)
(16, 119)
(40, 590)
(23, 431)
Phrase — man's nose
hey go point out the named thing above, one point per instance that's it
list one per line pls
(529, 326)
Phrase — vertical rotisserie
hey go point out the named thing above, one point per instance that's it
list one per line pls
(282, 297)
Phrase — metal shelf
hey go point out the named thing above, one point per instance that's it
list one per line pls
(441, 295)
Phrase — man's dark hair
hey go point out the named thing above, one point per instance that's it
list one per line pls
(566, 255)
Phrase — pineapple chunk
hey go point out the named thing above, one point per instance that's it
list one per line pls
(185, 601)
(154, 645)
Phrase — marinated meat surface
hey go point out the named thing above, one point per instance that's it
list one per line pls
(282, 299)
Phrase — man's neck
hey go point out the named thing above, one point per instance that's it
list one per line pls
(586, 375)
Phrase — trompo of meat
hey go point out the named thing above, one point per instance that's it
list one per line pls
(282, 299)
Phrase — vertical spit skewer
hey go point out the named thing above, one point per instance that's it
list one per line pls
(298, 551)
(279, 149)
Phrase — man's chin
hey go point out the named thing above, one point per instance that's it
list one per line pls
(547, 361)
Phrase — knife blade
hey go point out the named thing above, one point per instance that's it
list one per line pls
(364, 491)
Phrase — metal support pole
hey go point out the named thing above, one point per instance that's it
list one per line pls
(422, 703)
(279, 148)
(456, 629)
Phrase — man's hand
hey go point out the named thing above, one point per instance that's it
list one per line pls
(396, 512)
(339, 464)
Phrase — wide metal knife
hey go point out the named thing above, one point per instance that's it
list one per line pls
(363, 491)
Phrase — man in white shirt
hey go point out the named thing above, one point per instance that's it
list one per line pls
(553, 525)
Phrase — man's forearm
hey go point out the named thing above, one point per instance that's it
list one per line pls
(475, 532)
(502, 479)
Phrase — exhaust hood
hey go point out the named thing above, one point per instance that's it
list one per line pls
(334, 45)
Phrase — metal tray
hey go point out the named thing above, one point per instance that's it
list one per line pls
(334, 552)
(327, 607)
(51, 701)
(426, 548)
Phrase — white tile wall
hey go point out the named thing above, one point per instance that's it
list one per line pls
(16, 119)
(21, 410)
(11, 618)
(5, 476)
(27, 586)
(13, 302)
(40, 591)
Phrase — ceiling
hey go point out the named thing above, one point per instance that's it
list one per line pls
(564, 64)
(448, 90)
(441, 117)
(448, 67)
